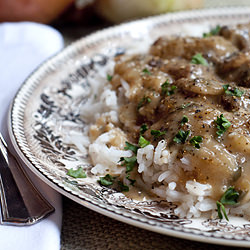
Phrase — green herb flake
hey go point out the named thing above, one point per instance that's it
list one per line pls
(143, 142)
(78, 173)
(109, 77)
(122, 187)
(128, 162)
(107, 180)
(146, 71)
(232, 91)
(181, 136)
(131, 147)
(199, 59)
(221, 207)
(230, 197)
(143, 101)
(183, 106)
(143, 129)
(213, 32)
(184, 120)
(196, 140)
(132, 181)
(168, 89)
(157, 133)
(222, 125)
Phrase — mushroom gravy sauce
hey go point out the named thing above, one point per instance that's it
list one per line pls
(193, 92)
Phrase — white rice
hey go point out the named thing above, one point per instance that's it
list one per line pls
(145, 158)
(161, 155)
(159, 174)
(108, 157)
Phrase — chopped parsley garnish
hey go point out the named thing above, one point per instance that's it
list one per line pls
(199, 59)
(222, 124)
(143, 102)
(168, 89)
(128, 162)
(213, 32)
(181, 136)
(109, 77)
(232, 91)
(183, 106)
(107, 180)
(131, 147)
(184, 120)
(157, 133)
(132, 181)
(143, 142)
(196, 140)
(143, 129)
(146, 71)
(122, 187)
(230, 197)
(78, 173)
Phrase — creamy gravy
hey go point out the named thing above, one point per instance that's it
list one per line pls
(199, 93)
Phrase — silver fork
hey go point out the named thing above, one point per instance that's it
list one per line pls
(21, 203)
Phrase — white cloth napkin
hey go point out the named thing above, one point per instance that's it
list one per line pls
(23, 46)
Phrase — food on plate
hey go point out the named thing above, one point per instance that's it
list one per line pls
(174, 123)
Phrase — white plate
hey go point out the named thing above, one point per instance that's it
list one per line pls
(46, 108)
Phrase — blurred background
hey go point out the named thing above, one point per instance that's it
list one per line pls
(76, 18)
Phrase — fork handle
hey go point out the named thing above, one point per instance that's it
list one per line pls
(21, 202)
(12, 203)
